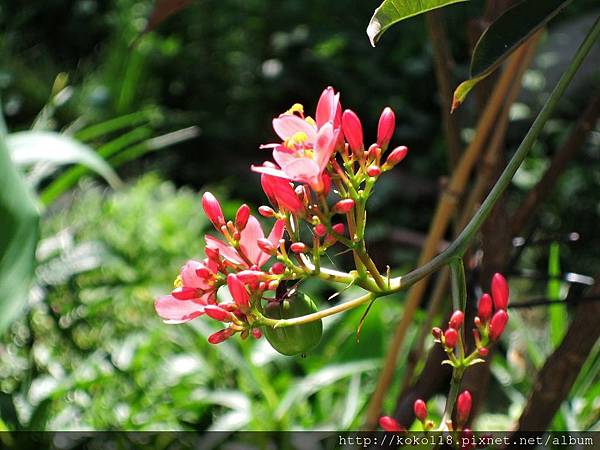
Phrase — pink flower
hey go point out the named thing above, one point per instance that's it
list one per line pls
(249, 253)
(187, 301)
(385, 128)
(238, 291)
(307, 145)
(353, 131)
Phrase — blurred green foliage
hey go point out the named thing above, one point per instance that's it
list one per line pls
(91, 353)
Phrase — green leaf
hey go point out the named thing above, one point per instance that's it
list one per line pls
(19, 221)
(503, 37)
(558, 322)
(29, 147)
(393, 11)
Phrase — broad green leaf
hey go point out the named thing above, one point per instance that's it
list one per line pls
(19, 220)
(558, 318)
(393, 11)
(30, 147)
(503, 37)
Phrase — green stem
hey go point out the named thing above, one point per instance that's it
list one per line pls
(457, 375)
(460, 245)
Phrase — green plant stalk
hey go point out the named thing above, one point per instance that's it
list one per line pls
(459, 246)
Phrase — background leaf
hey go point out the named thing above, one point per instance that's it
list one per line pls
(30, 147)
(503, 37)
(19, 220)
(393, 11)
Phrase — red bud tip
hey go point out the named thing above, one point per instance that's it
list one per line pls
(373, 171)
(266, 211)
(266, 246)
(298, 247)
(326, 180)
(353, 132)
(343, 206)
(238, 291)
(484, 311)
(420, 410)
(500, 291)
(450, 337)
(483, 352)
(497, 324)
(396, 155)
(339, 228)
(463, 407)
(278, 268)
(457, 320)
(374, 152)
(385, 128)
(320, 230)
(217, 313)
(389, 424)
(256, 333)
(213, 210)
(437, 333)
(220, 336)
(185, 293)
(242, 216)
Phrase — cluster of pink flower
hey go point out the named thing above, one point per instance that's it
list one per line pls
(314, 159)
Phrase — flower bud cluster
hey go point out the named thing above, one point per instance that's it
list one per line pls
(490, 323)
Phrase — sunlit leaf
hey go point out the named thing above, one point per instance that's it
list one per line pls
(393, 11)
(503, 37)
(29, 147)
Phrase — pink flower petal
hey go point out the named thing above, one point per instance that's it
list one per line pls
(270, 171)
(225, 250)
(175, 311)
(275, 235)
(250, 235)
(288, 125)
(303, 170)
(325, 145)
(328, 108)
(190, 278)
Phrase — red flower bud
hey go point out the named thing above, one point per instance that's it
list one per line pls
(437, 333)
(343, 206)
(278, 268)
(320, 230)
(266, 211)
(326, 180)
(420, 410)
(463, 407)
(299, 247)
(217, 313)
(497, 324)
(450, 337)
(339, 228)
(396, 155)
(457, 320)
(499, 291)
(484, 311)
(220, 336)
(483, 352)
(242, 216)
(238, 291)
(373, 170)
(266, 246)
(374, 152)
(353, 132)
(385, 128)
(213, 210)
(389, 424)
(256, 333)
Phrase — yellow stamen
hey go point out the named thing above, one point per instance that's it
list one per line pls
(298, 138)
(178, 282)
(296, 108)
(311, 121)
